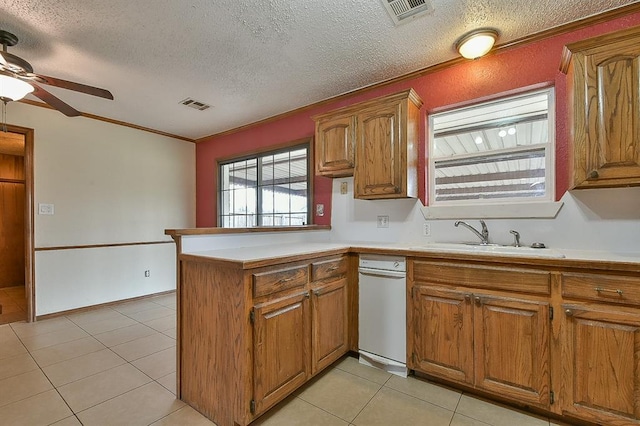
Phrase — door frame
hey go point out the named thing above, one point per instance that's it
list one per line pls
(29, 252)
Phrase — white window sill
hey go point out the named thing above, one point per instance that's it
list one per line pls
(532, 210)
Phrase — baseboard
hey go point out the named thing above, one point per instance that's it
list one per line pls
(101, 305)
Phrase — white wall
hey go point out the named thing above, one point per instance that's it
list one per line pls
(196, 243)
(109, 184)
(606, 220)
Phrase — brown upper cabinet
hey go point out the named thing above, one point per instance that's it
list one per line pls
(376, 141)
(335, 144)
(603, 80)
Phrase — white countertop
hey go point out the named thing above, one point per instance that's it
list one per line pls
(256, 253)
(264, 252)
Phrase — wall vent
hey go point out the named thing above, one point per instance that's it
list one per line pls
(192, 103)
(402, 11)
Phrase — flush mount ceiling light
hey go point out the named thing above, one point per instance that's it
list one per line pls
(12, 89)
(476, 43)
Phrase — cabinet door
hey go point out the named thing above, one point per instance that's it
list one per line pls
(512, 348)
(606, 108)
(281, 348)
(601, 364)
(329, 324)
(335, 140)
(442, 333)
(379, 150)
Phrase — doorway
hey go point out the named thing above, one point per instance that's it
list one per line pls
(16, 225)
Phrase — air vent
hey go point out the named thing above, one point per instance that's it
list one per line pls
(402, 11)
(192, 103)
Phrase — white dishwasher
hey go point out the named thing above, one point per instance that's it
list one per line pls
(382, 319)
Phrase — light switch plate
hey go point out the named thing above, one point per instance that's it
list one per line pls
(344, 187)
(319, 209)
(383, 221)
(47, 209)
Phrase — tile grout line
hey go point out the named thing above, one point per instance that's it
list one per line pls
(56, 388)
(40, 368)
(46, 377)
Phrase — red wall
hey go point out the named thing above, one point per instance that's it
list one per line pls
(510, 70)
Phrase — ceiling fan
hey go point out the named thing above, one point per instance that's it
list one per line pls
(17, 80)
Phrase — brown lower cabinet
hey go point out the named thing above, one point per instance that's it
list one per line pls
(560, 336)
(248, 337)
(281, 349)
(481, 325)
(601, 363)
(495, 343)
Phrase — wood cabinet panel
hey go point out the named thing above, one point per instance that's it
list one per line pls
(335, 145)
(483, 276)
(281, 349)
(386, 147)
(214, 374)
(329, 269)
(601, 288)
(496, 341)
(605, 76)
(379, 148)
(329, 323)
(440, 337)
(601, 364)
(512, 348)
(273, 281)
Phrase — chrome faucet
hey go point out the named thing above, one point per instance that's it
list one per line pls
(484, 235)
(516, 238)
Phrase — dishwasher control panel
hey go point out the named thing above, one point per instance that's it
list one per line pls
(387, 263)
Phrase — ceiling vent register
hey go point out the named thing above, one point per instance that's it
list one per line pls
(402, 11)
(192, 103)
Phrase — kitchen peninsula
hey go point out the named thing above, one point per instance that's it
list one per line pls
(256, 322)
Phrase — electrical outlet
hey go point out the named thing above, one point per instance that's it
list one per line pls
(147, 273)
(344, 187)
(383, 221)
(426, 229)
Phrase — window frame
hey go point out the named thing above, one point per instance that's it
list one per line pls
(305, 143)
(549, 151)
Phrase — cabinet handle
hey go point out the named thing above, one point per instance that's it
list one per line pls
(568, 312)
(286, 280)
(478, 300)
(333, 268)
(307, 295)
(467, 297)
(593, 174)
(607, 290)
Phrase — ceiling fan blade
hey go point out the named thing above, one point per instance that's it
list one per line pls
(70, 85)
(3, 61)
(56, 103)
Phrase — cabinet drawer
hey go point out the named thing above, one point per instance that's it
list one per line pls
(601, 288)
(273, 281)
(330, 268)
(481, 276)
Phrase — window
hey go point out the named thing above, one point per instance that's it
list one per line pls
(267, 189)
(494, 152)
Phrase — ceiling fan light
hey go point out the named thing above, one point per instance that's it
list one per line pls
(13, 89)
(476, 43)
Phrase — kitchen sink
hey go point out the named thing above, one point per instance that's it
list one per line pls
(489, 249)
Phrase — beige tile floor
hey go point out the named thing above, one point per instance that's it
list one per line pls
(14, 304)
(116, 366)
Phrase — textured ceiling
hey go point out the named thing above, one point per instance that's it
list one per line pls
(248, 59)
